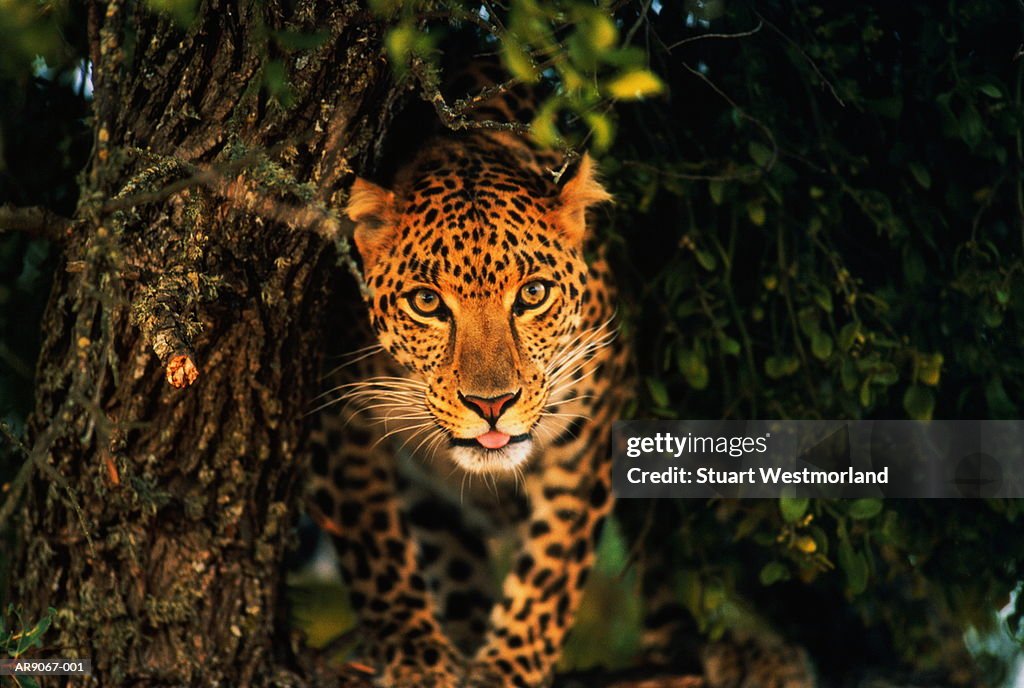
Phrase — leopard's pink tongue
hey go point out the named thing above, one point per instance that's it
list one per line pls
(492, 439)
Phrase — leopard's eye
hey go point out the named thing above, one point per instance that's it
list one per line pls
(532, 295)
(426, 302)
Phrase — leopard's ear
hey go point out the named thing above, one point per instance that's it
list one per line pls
(372, 208)
(579, 193)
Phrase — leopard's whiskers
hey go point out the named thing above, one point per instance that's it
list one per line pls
(353, 357)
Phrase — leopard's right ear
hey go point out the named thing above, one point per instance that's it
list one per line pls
(372, 208)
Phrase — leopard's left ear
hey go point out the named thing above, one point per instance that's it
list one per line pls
(372, 208)
(578, 194)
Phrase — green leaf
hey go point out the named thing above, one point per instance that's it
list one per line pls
(385, 8)
(793, 508)
(823, 297)
(659, 395)
(854, 566)
(919, 402)
(807, 318)
(929, 369)
(183, 12)
(716, 188)
(848, 375)
(693, 367)
(773, 572)
(730, 346)
(33, 637)
(600, 31)
(885, 374)
(628, 56)
(991, 90)
(972, 128)
(544, 127)
(399, 42)
(518, 62)
(601, 128)
(275, 78)
(862, 509)
(821, 346)
(866, 395)
(756, 213)
(848, 335)
(706, 260)
(923, 177)
(760, 154)
(634, 84)
(777, 367)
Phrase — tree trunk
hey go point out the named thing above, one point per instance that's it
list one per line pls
(183, 333)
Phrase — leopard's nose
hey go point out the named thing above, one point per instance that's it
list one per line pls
(490, 408)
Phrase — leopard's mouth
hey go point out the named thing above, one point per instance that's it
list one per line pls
(492, 440)
(474, 456)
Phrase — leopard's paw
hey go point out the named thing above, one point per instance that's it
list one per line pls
(420, 663)
(482, 676)
(497, 674)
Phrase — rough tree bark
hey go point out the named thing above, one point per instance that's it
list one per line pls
(182, 335)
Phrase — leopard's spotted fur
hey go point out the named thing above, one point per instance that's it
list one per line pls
(521, 347)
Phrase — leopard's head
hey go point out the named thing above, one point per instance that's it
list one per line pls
(476, 283)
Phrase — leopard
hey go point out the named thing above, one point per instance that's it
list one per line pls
(475, 419)
(478, 412)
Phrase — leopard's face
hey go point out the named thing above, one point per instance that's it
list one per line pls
(477, 291)
(478, 314)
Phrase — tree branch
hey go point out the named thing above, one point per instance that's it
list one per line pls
(238, 190)
(159, 312)
(34, 221)
(454, 116)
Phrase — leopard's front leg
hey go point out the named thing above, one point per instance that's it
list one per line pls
(570, 497)
(358, 504)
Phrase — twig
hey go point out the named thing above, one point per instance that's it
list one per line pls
(454, 117)
(159, 314)
(36, 458)
(15, 487)
(703, 36)
(461, 15)
(34, 221)
(807, 57)
(486, 93)
(743, 114)
(636, 25)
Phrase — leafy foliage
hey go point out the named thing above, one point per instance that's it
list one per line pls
(577, 45)
(821, 217)
(824, 220)
(17, 637)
